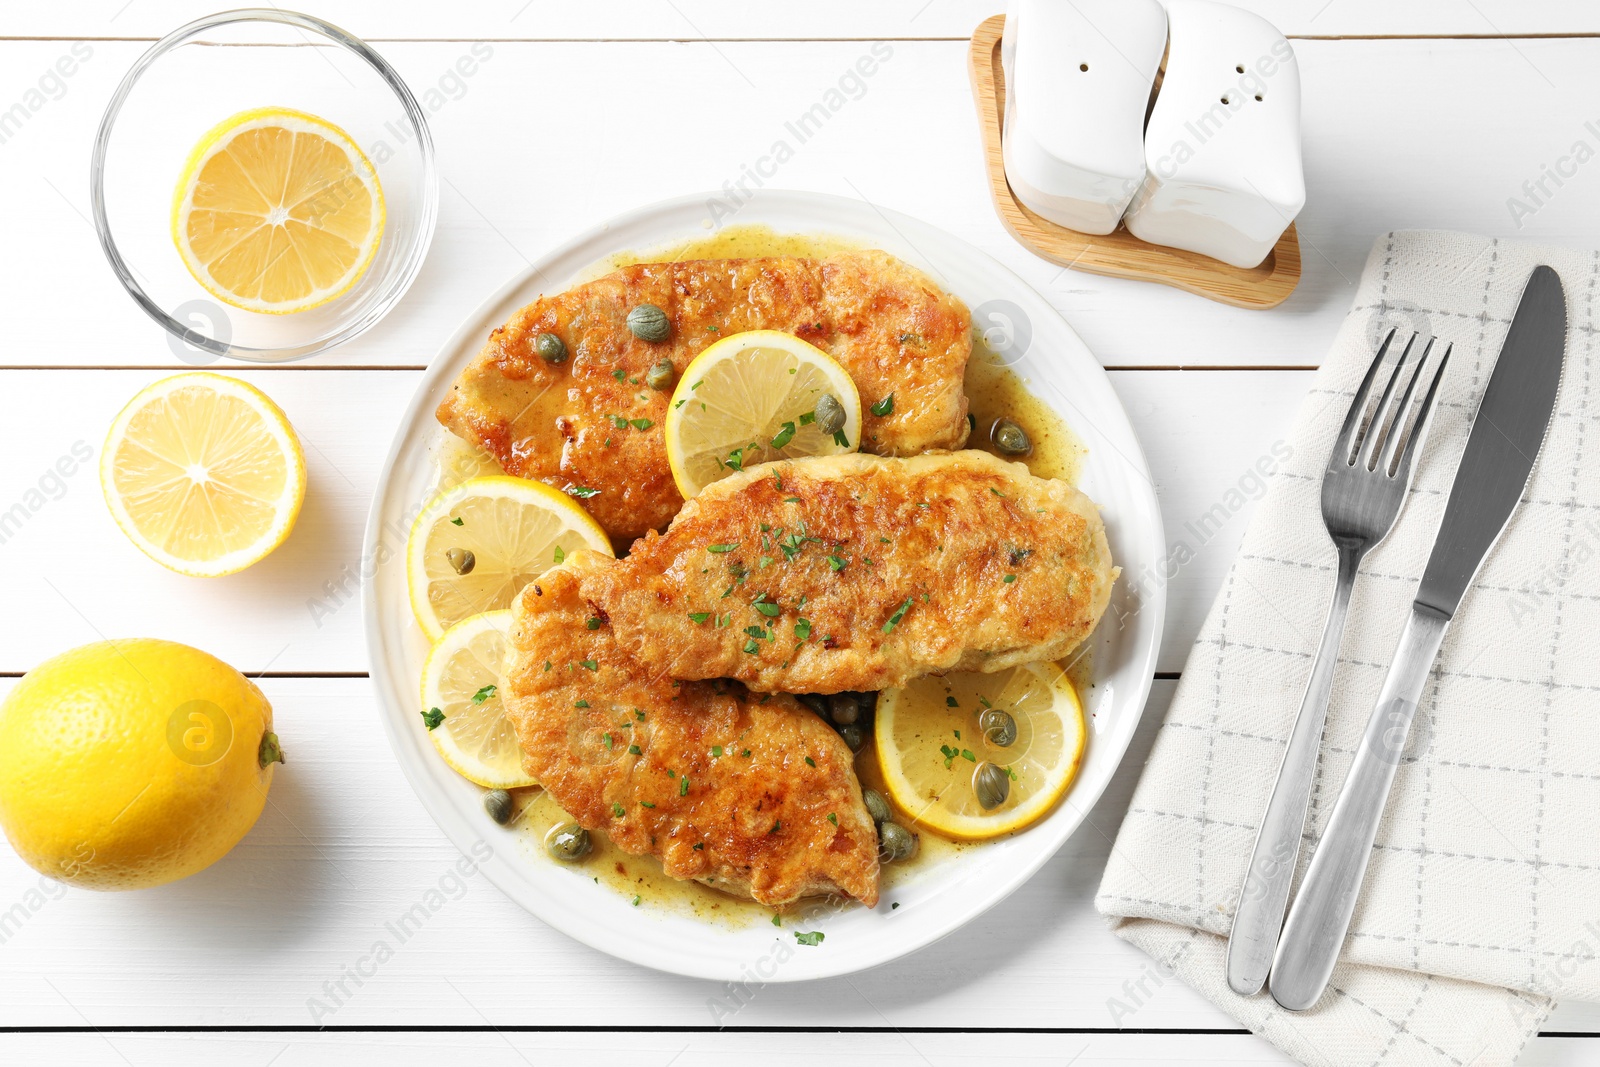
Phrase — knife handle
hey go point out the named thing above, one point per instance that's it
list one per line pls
(1320, 916)
(1259, 916)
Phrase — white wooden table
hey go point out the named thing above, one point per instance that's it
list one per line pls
(1431, 114)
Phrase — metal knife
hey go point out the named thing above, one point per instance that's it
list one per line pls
(1507, 433)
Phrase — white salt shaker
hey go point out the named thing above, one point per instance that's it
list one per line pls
(1078, 78)
(1222, 148)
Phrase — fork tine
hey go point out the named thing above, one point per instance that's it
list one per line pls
(1419, 430)
(1394, 438)
(1378, 427)
(1344, 446)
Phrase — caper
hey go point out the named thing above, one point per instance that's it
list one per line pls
(1010, 438)
(853, 737)
(497, 802)
(877, 807)
(999, 728)
(568, 842)
(815, 702)
(551, 348)
(830, 414)
(992, 784)
(843, 708)
(461, 560)
(649, 323)
(659, 376)
(895, 843)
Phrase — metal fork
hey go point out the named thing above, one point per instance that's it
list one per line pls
(1363, 489)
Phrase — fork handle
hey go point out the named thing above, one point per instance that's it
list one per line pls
(1265, 894)
(1315, 929)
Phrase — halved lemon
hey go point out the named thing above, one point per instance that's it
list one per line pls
(463, 681)
(477, 544)
(940, 749)
(751, 398)
(203, 473)
(277, 211)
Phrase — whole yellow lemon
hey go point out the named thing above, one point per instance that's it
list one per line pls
(126, 764)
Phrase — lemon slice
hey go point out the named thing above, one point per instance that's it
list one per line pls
(463, 680)
(748, 399)
(931, 745)
(203, 473)
(277, 211)
(514, 529)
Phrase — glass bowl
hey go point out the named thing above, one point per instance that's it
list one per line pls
(205, 72)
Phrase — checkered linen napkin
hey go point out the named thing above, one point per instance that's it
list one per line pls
(1481, 905)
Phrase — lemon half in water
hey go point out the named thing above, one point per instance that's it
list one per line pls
(277, 211)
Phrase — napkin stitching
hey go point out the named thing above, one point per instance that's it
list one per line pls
(1211, 746)
(1555, 645)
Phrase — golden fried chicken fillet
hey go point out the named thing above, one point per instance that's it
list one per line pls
(751, 793)
(859, 572)
(591, 423)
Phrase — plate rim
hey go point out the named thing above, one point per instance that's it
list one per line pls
(511, 881)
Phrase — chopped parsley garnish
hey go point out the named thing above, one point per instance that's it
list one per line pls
(581, 704)
(646, 804)
(777, 824)
(995, 491)
(884, 406)
(589, 663)
(758, 632)
(636, 900)
(899, 613)
(637, 714)
(769, 609)
(484, 694)
(716, 751)
(635, 750)
(811, 938)
(698, 617)
(967, 755)
(784, 436)
(698, 845)
(840, 439)
(777, 920)
(560, 554)
(1008, 579)
(745, 753)
(791, 500)
(607, 739)
(802, 629)
(810, 762)
(432, 718)
(619, 421)
(592, 622)
(683, 786)
(620, 375)
(582, 492)
(751, 647)
(458, 522)
(808, 418)
(723, 548)
(837, 563)
(642, 424)
(833, 818)
(951, 702)
(949, 755)
(616, 810)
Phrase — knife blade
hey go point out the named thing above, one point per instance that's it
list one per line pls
(1507, 434)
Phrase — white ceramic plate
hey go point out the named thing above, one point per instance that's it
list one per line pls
(941, 896)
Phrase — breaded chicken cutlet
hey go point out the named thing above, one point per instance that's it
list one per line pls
(891, 327)
(858, 572)
(750, 793)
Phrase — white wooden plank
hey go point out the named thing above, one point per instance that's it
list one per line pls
(1398, 133)
(1204, 433)
(344, 846)
(721, 19)
(728, 1049)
